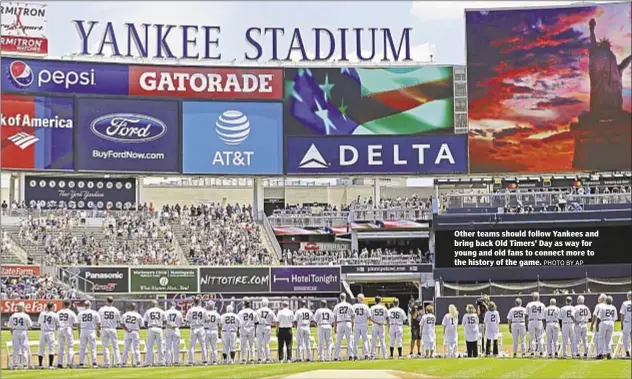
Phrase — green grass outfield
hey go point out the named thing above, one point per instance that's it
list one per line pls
(441, 368)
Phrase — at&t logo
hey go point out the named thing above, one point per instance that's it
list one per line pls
(232, 128)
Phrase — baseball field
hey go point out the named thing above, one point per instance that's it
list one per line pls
(379, 369)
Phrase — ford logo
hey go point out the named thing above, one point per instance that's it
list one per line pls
(128, 127)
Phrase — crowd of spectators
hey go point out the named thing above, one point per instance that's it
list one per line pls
(35, 287)
(346, 257)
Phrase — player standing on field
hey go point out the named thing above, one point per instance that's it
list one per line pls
(20, 323)
(67, 320)
(567, 319)
(626, 322)
(428, 333)
(552, 317)
(605, 324)
(597, 336)
(110, 320)
(324, 319)
(492, 329)
(581, 317)
(471, 328)
(517, 327)
(264, 330)
(48, 323)
(303, 318)
(535, 313)
(211, 325)
(155, 319)
(172, 335)
(89, 331)
(361, 327)
(450, 331)
(379, 317)
(343, 317)
(196, 315)
(396, 318)
(230, 325)
(248, 321)
(132, 322)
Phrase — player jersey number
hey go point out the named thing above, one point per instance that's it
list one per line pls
(430, 320)
(212, 319)
(18, 321)
(536, 308)
(63, 317)
(305, 316)
(86, 317)
(230, 320)
(471, 321)
(197, 315)
(359, 312)
(518, 314)
(609, 313)
(154, 316)
(551, 312)
(249, 316)
(343, 310)
(130, 320)
(629, 308)
(395, 315)
(264, 315)
(583, 312)
(172, 317)
(325, 316)
(379, 312)
(492, 318)
(569, 314)
(48, 320)
(108, 315)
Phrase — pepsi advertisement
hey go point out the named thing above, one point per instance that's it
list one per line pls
(434, 154)
(127, 135)
(33, 76)
(37, 132)
(232, 138)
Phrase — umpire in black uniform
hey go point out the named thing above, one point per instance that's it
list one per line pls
(285, 320)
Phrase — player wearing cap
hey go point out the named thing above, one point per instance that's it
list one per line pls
(20, 323)
(248, 321)
(597, 336)
(396, 318)
(517, 326)
(324, 319)
(155, 319)
(361, 327)
(343, 318)
(211, 325)
(581, 317)
(230, 324)
(132, 322)
(48, 323)
(172, 334)
(267, 318)
(110, 320)
(605, 324)
(566, 318)
(535, 313)
(626, 322)
(303, 318)
(67, 320)
(552, 317)
(196, 316)
(89, 331)
(379, 318)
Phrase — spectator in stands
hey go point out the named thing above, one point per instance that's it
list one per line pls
(34, 287)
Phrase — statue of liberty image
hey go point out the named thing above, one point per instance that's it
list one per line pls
(606, 76)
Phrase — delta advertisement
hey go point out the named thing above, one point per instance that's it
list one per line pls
(442, 154)
(365, 101)
(37, 132)
(24, 28)
(232, 138)
(550, 89)
(127, 135)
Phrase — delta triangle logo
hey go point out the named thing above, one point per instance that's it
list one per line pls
(313, 159)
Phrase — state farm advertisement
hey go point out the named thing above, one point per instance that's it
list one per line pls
(207, 83)
(24, 29)
(17, 271)
(34, 306)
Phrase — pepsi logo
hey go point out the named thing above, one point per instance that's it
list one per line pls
(128, 127)
(21, 74)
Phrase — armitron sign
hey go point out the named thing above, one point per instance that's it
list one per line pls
(24, 29)
(30, 306)
(16, 271)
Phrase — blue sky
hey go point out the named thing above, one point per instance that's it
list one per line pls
(438, 27)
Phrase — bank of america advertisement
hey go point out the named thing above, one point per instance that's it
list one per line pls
(125, 135)
(232, 138)
(37, 132)
(369, 101)
(442, 154)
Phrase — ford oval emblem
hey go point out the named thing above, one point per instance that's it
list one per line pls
(128, 127)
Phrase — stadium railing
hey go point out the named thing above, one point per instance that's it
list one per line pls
(334, 218)
(270, 236)
(540, 199)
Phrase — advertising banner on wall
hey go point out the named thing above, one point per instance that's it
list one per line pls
(305, 279)
(232, 138)
(24, 28)
(236, 279)
(37, 132)
(164, 280)
(387, 269)
(443, 154)
(127, 135)
(16, 271)
(555, 98)
(368, 101)
(80, 192)
(31, 306)
(206, 82)
(105, 279)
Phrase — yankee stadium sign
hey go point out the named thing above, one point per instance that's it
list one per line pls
(203, 42)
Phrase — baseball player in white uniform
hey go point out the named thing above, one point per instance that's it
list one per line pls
(428, 333)
(517, 318)
(581, 317)
(361, 327)
(626, 321)
(491, 320)
(396, 318)
(48, 323)
(303, 318)
(451, 331)
(535, 313)
(89, 331)
(20, 323)
(605, 324)
(566, 317)
(343, 317)
(155, 319)
(132, 322)
(67, 320)
(597, 336)
(172, 334)
(248, 321)
(230, 324)
(379, 317)
(196, 317)
(552, 317)
(267, 318)
(211, 326)
(324, 319)
(110, 320)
